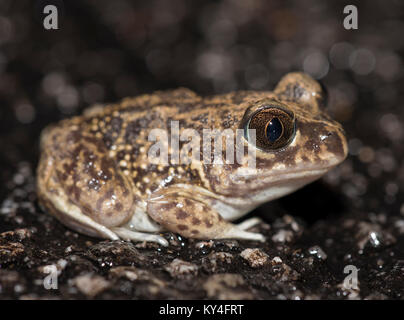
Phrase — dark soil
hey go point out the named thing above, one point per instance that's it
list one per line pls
(106, 50)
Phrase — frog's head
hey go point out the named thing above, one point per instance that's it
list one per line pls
(295, 141)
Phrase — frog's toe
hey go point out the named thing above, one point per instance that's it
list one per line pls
(130, 235)
(234, 232)
(249, 223)
(245, 235)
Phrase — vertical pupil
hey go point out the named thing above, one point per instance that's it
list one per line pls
(274, 130)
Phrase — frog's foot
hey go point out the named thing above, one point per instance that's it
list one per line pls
(192, 217)
(130, 235)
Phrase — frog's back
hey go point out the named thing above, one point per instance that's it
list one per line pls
(122, 132)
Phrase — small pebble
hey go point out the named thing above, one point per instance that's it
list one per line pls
(283, 236)
(318, 252)
(179, 268)
(255, 257)
(90, 285)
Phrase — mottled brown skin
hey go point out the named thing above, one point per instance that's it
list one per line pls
(97, 165)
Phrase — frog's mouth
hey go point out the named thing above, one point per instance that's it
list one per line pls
(259, 190)
(234, 202)
(251, 190)
(280, 176)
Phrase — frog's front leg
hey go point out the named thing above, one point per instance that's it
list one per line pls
(191, 216)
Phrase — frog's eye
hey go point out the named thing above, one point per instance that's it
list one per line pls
(274, 127)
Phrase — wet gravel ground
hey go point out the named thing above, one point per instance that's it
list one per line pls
(104, 51)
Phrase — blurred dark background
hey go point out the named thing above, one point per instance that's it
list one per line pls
(105, 50)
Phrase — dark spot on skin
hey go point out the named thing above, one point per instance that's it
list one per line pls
(62, 176)
(86, 209)
(208, 223)
(304, 158)
(293, 92)
(227, 118)
(139, 179)
(335, 145)
(71, 155)
(134, 128)
(121, 183)
(76, 152)
(194, 231)
(111, 131)
(202, 117)
(101, 200)
(109, 141)
(96, 142)
(118, 206)
(196, 221)
(194, 175)
(74, 192)
(169, 205)
(116, 124)
(181, 215)
(228, 122)
(120, 155)
(74, 136)
(106, 167)
(135, 151)
(67, 168)
(154, 186)
(313, 132)
(182, 227)
(312, 146)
